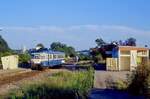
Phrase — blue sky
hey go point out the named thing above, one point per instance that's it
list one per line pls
(74, 22)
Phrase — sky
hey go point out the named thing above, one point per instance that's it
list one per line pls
(76, 23)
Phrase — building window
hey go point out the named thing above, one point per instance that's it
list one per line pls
(142, 52)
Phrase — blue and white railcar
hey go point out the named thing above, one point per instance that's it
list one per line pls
(47, 58)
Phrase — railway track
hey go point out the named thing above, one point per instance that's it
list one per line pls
(4, 73)
(6, 79)
(13, 81)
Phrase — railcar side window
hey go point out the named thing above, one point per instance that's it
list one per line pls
(54, 56)
(50, 56)
(60, 56)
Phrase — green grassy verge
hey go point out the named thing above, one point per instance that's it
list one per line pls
(62, 85)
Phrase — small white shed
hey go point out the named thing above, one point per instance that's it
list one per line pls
(10, 62)
(127, 58)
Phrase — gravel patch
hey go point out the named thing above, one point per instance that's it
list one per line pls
(101, 77)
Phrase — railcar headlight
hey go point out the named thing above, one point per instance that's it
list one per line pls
(63, 61)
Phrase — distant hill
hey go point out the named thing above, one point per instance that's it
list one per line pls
(84, 52)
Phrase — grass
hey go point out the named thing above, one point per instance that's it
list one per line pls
(62, 85)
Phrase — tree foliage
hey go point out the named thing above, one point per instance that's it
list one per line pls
(3, 45)
(131, 41)
(84, 57)
(100, 42)
(24, 57)
(99, 52)
(4, 48)
(69, 50)
(140, 80)
(40, 46)
(96, 55)
(128, 42)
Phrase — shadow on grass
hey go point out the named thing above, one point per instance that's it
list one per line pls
(111, 94)
(24, 65)
(100, 66)
(77, 67)
(46, 93)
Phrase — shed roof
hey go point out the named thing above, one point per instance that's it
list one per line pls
(132, 48)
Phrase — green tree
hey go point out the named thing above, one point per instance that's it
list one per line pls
(4, 48)
(96, 55)
(131, 41)
(100, 42)
(3, 45)
(69, 50)
(40, 46)
(24, 57)
(58, 46)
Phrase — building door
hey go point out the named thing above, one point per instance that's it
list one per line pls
(125, 63)
(133, 63)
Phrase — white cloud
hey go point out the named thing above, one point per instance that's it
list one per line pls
(80, 36)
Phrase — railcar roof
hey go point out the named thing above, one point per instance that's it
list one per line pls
(46, 51)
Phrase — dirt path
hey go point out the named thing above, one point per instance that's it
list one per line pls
(16, 77)
(100, 90)
(4, 73)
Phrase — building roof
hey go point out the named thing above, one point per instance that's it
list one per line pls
(46, 51)
(132, 48)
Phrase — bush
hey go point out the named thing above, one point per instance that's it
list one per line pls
(121, 85)
(84, 57)
(24, 57)
(139, 80)
(98, 58)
